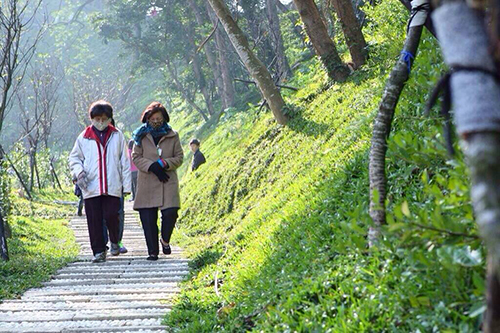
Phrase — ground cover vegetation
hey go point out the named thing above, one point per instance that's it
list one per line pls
(276, 221)
(40, 241)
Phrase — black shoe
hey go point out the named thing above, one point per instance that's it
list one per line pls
(152, 257)
(166, 247)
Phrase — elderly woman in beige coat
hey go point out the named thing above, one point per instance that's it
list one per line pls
(157, 153)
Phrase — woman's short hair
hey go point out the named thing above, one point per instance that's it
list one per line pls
(153, 108)
(99, 108)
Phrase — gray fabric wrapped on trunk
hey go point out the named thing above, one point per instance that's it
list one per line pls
(464, 42)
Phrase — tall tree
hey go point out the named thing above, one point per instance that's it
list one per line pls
(254, 66)
(473, 89)
(323, 44)
(284, 70)
(209, 51)
(37, 113)
(222, 51)
(14, 57)
(382, 128)
(194, 59)
(15, 19)
(4, 188)
(352, 31)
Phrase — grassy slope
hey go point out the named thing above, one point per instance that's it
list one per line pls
(40, 244)
(278, 215)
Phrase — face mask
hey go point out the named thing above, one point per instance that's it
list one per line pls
(156, 125)
(101, 125)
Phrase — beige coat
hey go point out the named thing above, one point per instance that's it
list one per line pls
(150, 191)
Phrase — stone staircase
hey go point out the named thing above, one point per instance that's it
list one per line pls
(127, 293)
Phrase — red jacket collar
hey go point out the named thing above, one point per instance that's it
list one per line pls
(90, 134)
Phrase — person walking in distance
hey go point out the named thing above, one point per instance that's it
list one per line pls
(157, 153)
(198, 157)
(101, 166)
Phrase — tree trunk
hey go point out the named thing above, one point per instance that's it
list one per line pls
(4, 253)
(32, 170)
(381, 130)
(182, 91)
(210, 54)
(352, 31)
(475, 96)
(2, 152)
(37, 174)
(253, 21)
(323, 44)
(198, 73)
(202, 84)
(281, 6)
(255, 67)
(54, 175)
(284, 70)
(483, 158)
(227, 79)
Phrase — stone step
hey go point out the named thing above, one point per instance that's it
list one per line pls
(159, 296)
(141, 329)
(121, 263)
(120, 270)
(107, 282)
(84, 230)
(83, 326)
(85, 238)
(139, 261)
(118, 275)
(136, 244)
(129, 225)
(109, 289)
(99, 314)
(160, 329)
(129, 219)
(103, 305)
(86, 255)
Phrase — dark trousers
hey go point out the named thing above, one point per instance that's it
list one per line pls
(121, 224)
(99, 209)
(80, 205)
(149, 219)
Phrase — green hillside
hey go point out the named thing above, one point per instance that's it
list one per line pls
(276, 220)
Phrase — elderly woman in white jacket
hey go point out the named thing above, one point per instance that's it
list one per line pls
(99, 161)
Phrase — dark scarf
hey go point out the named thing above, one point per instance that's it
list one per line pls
(144, 129)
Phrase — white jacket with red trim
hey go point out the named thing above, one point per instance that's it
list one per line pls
(107, 167)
